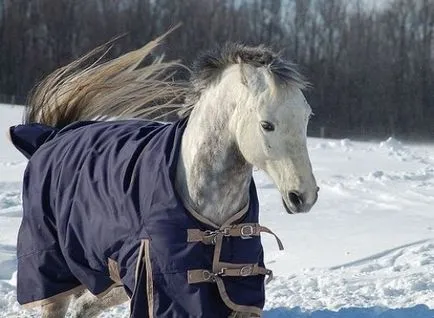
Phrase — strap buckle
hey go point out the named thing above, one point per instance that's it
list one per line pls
(225, 231)
(208, 276)
(213, 234)
(246, 270)
(247, 231)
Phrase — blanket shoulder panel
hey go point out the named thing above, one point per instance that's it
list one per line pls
(86, 192)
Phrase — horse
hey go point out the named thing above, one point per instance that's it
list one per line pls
(243, 107)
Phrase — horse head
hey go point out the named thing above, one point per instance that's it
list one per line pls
(269, 117)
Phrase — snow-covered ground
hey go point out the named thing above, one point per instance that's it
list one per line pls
(365, 250)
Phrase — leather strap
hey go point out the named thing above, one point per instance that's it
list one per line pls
(244, 230)
(205, 276)
(221, 269)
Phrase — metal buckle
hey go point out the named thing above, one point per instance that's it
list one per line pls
(247, 231)
(208, 276)
(225, 231)
(222, 272)
(212, 235)
(246, 270)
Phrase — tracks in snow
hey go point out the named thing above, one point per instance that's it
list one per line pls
(396, 278)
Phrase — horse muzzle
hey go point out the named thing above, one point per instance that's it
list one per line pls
(296, 202)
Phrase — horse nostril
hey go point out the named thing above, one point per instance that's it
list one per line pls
(296, 199)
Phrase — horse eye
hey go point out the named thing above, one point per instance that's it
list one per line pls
(267, 126)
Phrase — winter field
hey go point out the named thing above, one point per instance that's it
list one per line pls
(365, 250)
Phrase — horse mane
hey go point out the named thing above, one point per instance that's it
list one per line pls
(92, 89)
(210, 65)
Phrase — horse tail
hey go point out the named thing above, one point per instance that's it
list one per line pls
(92, 89)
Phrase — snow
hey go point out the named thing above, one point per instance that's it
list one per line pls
(365, 250)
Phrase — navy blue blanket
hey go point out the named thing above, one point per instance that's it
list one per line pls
(101, 192)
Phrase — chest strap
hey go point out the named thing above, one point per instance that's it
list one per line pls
(244, 230)
(222, 269)
(243, 270)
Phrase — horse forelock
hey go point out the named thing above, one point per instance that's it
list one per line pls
(209, 66)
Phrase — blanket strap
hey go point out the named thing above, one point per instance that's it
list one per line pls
(221, 269)
(244, 230)
(242, 270)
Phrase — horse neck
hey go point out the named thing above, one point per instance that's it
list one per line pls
(213, 177)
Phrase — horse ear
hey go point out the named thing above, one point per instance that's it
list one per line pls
(252, 78)
(243, 73)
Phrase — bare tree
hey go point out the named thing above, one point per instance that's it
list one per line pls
(371, 69)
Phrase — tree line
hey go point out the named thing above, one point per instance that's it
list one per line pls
(371, 68)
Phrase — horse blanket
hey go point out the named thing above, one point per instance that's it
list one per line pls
(100, 210)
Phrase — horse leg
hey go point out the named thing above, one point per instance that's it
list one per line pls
(56, 309)
(88, 305)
